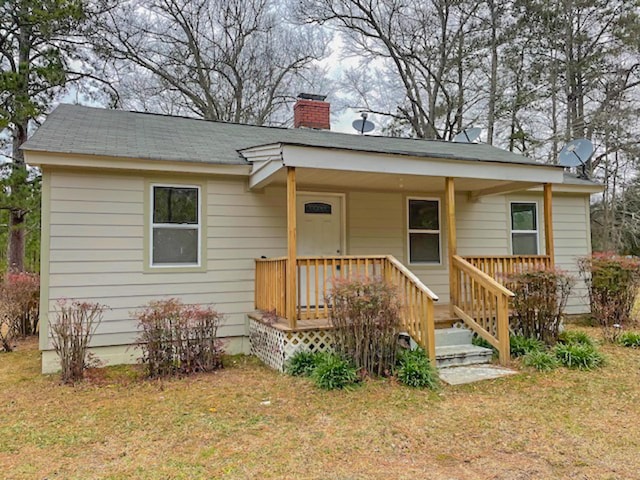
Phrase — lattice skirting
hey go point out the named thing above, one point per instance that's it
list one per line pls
(275, 347)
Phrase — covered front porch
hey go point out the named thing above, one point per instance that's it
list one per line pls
(463, 285)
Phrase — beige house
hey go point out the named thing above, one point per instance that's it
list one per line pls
(251, 219)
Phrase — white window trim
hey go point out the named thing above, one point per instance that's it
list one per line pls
(419, 230)
(536, 231)
(181, 226)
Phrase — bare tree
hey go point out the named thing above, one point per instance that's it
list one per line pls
(232, 60)
(421, 46)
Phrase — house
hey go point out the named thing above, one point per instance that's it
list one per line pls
(139, 206)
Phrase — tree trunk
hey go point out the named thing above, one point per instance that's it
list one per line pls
(16, 234)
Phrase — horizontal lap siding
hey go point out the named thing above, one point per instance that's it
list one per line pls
(572, 241)
(97, 243)
(97, 249)
(377, 226)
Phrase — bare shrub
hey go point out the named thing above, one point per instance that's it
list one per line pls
(366, 317)
(71, 332)
(612, 282)
(179, 339)
(540, 299)
(20, 300)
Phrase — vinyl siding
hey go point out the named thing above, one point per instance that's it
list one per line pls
(97, 237)
(97, 248)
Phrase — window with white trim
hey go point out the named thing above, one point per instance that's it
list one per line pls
(524, 228)
(175, 225)
(424, 230)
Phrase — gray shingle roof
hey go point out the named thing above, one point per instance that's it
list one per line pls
(117, 133)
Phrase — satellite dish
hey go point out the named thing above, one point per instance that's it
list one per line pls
(470, 135)
(575, 153)
(363, 126)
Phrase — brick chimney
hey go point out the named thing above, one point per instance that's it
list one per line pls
(311, 111)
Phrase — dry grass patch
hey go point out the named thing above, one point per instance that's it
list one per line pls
(249, 422)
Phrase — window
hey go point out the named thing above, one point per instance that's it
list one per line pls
(424, 230)
(524, 228)
(175, 225)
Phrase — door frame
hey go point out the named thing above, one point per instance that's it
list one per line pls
(343, 213)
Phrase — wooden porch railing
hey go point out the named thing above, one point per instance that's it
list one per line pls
(500, 266)
(270, 287)
(482, 303)
(314, 278)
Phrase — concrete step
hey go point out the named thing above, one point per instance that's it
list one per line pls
(448, 337)
(457, 355)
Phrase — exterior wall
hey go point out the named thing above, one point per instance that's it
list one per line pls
(94, 239)
(97, 244)
(377, 224)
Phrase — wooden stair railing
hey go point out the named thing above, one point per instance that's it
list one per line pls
(417, 302)
(482, 303)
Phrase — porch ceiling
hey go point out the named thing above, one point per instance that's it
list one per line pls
(314, 178)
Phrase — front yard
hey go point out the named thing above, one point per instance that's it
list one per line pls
(247, 421)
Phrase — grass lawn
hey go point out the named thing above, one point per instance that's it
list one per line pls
(247, 421)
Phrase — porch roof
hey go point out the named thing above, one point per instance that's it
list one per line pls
(343, 167)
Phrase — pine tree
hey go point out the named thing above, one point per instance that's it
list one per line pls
(37, 45)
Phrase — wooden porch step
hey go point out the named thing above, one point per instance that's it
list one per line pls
(443, 318)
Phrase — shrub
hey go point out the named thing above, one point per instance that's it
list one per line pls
(20, 302)
(540, 360)
(578, 355)
(540, 299)
(521, 345)
(576, 337)
(366, 317)
(334, 372)
(612, 282)
(416, 370)
(303, 363)
(630, 339)
(179, 339)
(74, 326)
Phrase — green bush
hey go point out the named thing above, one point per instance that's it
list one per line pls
(521, 345)
(630, 339)
(612, 282)
(334, 372)
(575, 337)
(540, 360)
(580, 356)
(303, 363)
(416, 370)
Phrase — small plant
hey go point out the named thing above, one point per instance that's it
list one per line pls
(630, 339)
(365, 315)
(540, 299)
(179, 339)
(612, 282)
(580, 356)
(521, 345)
(540, 360)
(416, 370)
(575, 337)
(303, 363)
(334, 372)
(71, 332)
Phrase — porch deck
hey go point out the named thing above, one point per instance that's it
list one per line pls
(441, 314)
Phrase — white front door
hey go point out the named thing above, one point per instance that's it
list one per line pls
(319, 233)
(319, 225)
